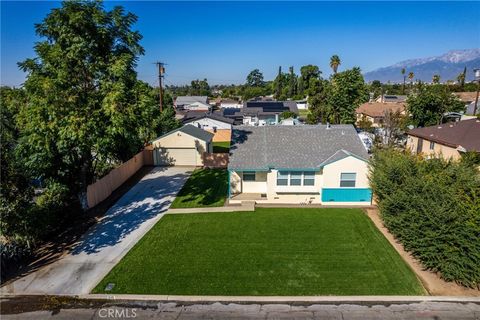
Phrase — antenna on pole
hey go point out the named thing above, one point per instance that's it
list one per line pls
(161, 71)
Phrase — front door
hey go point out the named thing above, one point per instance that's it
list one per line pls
(419, 145)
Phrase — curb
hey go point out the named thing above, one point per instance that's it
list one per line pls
(293, 300)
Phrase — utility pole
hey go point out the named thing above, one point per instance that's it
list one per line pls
(161, 71)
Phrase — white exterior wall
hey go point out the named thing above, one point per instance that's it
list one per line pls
(329, 177)
(207, 123)
(231, 105)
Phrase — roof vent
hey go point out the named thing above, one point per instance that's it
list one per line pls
(439, 127)
(328, 125)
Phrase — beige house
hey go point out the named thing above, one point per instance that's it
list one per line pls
(298, 164)
(184, 146)
(449, 140)
(374, 112)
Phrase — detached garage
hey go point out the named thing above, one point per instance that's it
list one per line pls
(182, 147)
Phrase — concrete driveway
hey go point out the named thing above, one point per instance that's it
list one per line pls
(97, 252)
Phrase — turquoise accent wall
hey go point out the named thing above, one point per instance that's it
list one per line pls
(346, 195)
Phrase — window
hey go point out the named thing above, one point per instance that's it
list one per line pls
(308, 178)
(282, 178)
(295, 178)
(432, 145)
(249, 176)
(347, 180)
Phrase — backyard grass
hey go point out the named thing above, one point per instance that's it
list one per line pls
(204, 188)
(221, 147)
(272, 251)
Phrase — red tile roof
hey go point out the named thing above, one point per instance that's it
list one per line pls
(464, 134)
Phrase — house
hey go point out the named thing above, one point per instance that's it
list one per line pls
(390, 98)
(192, 103)
(290, 122)
(469, 99)
(449, 140)
(374, 112)
(184, 146)
(260, 113)
(230, 103)
(321, 164)
(217, 124)
(302, 104)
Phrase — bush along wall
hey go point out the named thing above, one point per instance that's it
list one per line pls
(433, 207)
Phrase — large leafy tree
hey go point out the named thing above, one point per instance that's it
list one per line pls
(428, 105)
(80, 86)
(199, 88)
(255, 79)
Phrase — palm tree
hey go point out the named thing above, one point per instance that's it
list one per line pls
(411, 75)
(403, 74)
(436, 78)
(335, 62)
(461, 78)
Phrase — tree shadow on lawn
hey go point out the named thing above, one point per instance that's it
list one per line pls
(205, 187)
(143, 202)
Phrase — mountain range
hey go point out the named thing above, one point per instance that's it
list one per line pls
(448, 66)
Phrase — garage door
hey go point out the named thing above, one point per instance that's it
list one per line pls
(175, 157)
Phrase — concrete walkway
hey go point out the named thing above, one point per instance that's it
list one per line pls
(245, 206)
(97, 252)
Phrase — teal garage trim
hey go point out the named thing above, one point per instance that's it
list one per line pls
(346, 195)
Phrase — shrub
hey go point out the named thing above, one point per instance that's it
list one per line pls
(433, 207)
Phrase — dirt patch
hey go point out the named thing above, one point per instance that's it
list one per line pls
(430, 280)
(52, 250)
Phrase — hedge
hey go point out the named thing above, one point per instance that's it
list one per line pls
(432, 206)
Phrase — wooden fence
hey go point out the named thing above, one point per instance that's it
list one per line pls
(215, 160)
(101, 189)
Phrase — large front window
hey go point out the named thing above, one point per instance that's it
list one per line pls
(295, 178)
(249, 176)
(347, 180)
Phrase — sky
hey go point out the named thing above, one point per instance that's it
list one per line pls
(224, 41)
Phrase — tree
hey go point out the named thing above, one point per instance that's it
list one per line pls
(394, 124)
(308, 80)
(411, 75)
(436, 79)
(334, 63)
(404, 78)
(288, 114)
(292, 83)
(430, 103)
(199, 88)
(255, 79)
(279, 83)
(461, 78)
(81, 94)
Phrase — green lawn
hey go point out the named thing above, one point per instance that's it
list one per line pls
(204, 188)
(272, 251)
(221, 147)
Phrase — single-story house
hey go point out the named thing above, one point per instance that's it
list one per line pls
(322, 164)
(290, 122)
(449, 140)
(302, 104)
(192, 103)
(230, 103)
(184, 146)
(260, 113)
(374, 112)
(469, 99)
(217, 124)
(390, 98)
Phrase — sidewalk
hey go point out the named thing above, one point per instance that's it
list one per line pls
(245, 206)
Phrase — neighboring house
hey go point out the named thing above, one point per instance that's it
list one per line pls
(319, 164)
(220, 126)
(389, 98)
(469, 99)
(184, 146)
(375, 111)
(261, 113)
(230, 103)
(192, 103)
(302, 104)
(290, 122)
(449, 140)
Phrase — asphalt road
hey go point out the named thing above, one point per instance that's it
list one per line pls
(423, 310)
(103, 245)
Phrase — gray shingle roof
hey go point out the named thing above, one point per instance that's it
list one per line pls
(184, 100)
(293, 147)
(192, 116)
(197, 132)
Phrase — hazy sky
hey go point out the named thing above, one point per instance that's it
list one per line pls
(223, 41)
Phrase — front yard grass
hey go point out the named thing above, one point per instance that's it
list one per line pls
(272, 251)
(221, 147)
(204, 188)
